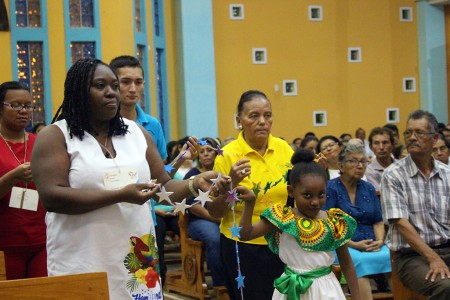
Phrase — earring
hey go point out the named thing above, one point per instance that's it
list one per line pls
(240, 127)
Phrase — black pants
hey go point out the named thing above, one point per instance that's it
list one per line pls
(258, 264)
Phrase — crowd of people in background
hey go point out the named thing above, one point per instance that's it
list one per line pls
(103, 198)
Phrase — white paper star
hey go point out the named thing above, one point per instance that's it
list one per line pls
(203, 197)
(164, 195)
(181, 207)
(214, 181)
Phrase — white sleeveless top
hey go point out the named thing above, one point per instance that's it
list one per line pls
(118, 239)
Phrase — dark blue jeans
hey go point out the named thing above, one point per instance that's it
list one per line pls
(208, 232)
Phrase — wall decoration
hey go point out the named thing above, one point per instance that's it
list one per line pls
(409, 85)
(320, 118)
(259, 55)
(236, 11)
(290, 87)
(354, 54)
(406, 14)
(315, 13)
(392, 115)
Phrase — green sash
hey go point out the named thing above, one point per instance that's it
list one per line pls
(293, 284)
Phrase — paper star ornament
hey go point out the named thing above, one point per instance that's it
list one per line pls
(164, 195)
(219, 151)
(235, 231)
(203, 197)
(232, 197)
(202, 143)
(181, 207)
(169, 168)
(240, 280)
(214, 181)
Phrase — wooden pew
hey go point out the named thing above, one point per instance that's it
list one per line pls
(2, 266)
(70, 287)
(190, 281)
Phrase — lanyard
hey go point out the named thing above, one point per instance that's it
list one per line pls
(14, 154)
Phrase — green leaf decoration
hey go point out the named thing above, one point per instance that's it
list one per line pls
(132, 262)
(256, 189)
(133, 283)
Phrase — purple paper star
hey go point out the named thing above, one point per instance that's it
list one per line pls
(219, 151)
(240, 280)
(169, 168)
(232, 197)
(202, 143)
(235, 231)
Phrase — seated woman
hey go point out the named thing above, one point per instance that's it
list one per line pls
(202, 226)
(441, 150)
(310, 142)
(330, 146)
(358, 198)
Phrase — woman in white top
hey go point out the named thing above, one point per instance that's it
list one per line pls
(93, 170)
(330, 146)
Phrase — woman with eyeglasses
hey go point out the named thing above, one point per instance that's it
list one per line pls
(441, 150)
(22, 217)
(358, 198)
(330, 146)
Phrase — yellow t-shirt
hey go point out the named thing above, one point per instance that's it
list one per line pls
(270, 168)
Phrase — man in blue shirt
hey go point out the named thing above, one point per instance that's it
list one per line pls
(131, 80)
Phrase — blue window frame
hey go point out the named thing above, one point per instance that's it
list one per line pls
(162, 102)
(29, 43)
(82, 30)
(141, 46)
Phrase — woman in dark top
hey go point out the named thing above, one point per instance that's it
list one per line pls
(202, 226)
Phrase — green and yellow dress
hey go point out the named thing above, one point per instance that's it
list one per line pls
(306, 246)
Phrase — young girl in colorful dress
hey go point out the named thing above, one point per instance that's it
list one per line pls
(304, 236)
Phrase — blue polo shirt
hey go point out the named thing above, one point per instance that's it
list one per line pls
(153, 126)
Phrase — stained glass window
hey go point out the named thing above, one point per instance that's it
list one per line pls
(138, 17)
(28, 13)
(140, 56)
(82, 50)
(156, 19)
(81, 13)
(30, 63)
(159, 86)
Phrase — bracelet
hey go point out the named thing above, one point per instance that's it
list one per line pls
(191, 187)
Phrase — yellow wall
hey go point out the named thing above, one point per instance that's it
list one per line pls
(57, 52)
(5, 53)
(315, 54)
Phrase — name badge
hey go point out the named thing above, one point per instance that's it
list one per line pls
(24, 198)
(120, 178)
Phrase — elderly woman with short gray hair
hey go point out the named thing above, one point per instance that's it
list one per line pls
(359, 199)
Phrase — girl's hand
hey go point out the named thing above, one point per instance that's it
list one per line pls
(239, 171)
(246, 195)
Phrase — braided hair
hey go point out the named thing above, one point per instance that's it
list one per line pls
(303, 164)
(75, 108)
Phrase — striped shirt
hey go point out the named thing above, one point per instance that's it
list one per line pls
(424, 202)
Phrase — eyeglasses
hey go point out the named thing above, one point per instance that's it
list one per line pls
(18, 107)
(418, 133)
(354, 162)
(329, 146)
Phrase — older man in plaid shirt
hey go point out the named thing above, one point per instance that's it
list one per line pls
(415, 199)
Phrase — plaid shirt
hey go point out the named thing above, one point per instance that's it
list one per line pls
(424, 202)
